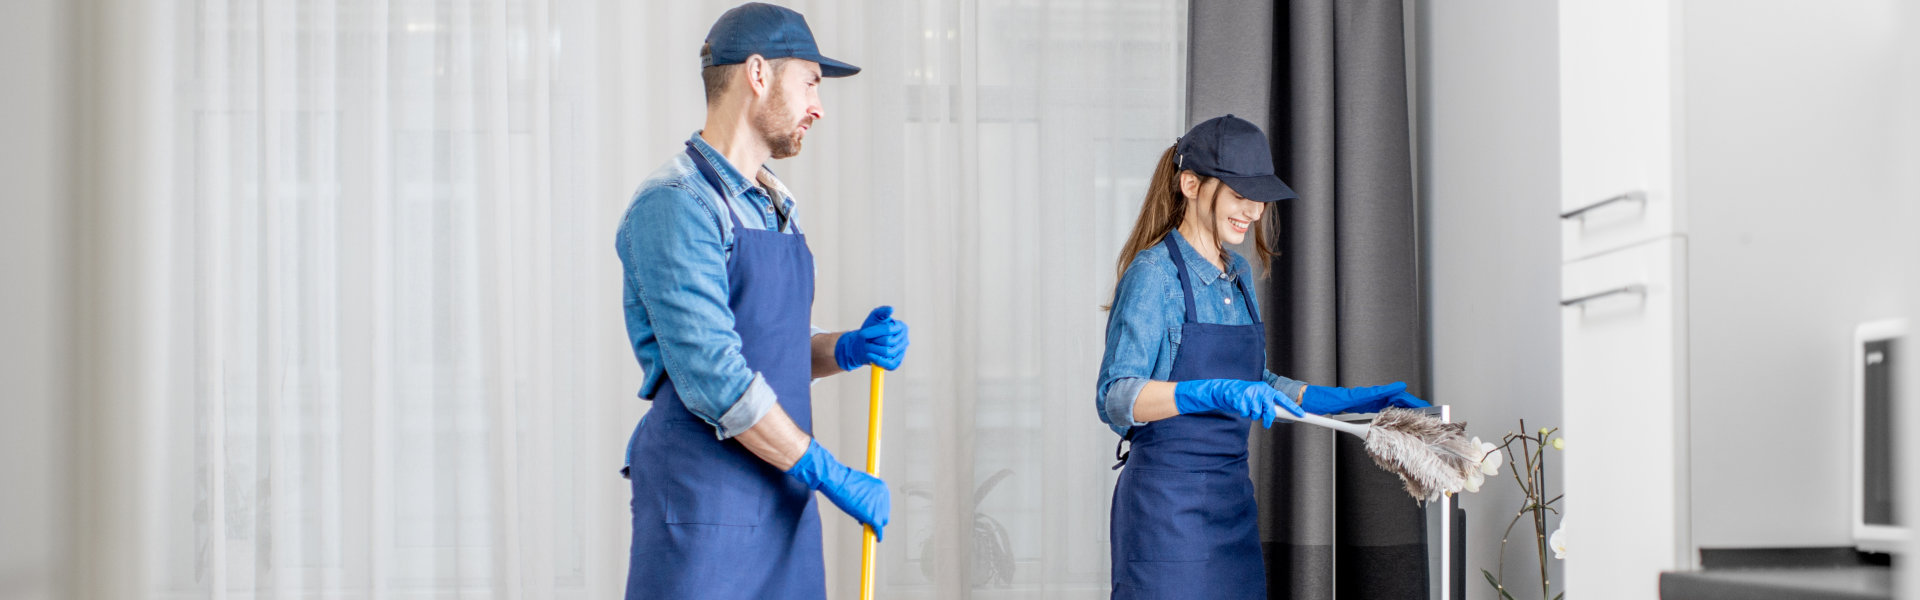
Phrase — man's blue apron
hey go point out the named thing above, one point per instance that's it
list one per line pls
(710, 519)
(1184, 521)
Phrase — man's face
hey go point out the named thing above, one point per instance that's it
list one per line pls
(791, 106)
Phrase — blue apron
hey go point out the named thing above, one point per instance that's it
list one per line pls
(710, 519)
(1184, 522)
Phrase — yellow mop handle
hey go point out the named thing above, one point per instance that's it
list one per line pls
(874, 395)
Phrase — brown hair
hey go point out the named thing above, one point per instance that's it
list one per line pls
(1163, 210)
(715, 78)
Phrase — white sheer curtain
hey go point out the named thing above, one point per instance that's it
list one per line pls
(393, 358)
(392, 362)
(981, 175)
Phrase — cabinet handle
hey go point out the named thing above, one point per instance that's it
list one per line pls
(1635, 195)
(1635, 289)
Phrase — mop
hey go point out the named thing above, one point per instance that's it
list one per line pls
(1430, 456)
(879, 377)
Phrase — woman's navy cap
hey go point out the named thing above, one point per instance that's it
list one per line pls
(1234, 151)
(771, 32)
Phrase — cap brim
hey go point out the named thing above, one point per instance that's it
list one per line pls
(833, 68)
(1261, 188)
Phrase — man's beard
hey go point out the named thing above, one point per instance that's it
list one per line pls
(782, 136)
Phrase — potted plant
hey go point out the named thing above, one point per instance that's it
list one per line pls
(1533, 485)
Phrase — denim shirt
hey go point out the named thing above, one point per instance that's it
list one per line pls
(673, 245)
(1143, 329)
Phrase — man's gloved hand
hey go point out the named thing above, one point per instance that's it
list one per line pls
(1322, 400)
(881, 341)
(1250, 399)
(862, 496)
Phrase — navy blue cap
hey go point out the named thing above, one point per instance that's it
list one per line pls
(771, 32)
(1234, 151)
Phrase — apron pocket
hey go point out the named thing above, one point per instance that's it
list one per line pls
(1162, 516)
(707, 482)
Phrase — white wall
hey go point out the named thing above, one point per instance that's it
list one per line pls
(1789, 168)
(34, 165)
(1907, 585)
(1488, 100)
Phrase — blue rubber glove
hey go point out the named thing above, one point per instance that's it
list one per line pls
(1250, 399)
(1322, 400)
(862, 496)
(881, 340)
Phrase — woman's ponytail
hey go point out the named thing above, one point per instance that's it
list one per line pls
(1160, 213)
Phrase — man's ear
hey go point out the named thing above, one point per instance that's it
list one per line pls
(759, 74)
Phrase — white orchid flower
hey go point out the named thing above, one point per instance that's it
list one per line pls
(1490, 457)
(1558, 541)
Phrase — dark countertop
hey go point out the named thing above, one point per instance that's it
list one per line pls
(1784, 583)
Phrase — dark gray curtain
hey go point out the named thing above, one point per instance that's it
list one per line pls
(1345, 295)
(1343, 305)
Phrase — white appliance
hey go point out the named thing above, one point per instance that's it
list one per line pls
(1876, 526)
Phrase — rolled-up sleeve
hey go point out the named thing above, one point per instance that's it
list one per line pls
(674, 254)
(1139, 331)
(1291, 388)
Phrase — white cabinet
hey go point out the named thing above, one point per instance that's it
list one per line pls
(1623, 345)
(1618, 133)
(1623, 284)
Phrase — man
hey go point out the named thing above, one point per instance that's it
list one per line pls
(719, 286)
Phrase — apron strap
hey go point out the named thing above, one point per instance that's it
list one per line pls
(1186, 289)
(1180, 268)
(713, 179)
(1246, 298)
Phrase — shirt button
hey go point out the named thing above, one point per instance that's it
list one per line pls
(1227, 300)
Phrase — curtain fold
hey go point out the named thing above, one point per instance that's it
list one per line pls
(980, 174)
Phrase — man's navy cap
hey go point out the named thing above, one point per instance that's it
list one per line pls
(771, 32)
(1234, 151)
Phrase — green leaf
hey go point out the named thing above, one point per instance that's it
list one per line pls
(1559, 596)
(1496, 585)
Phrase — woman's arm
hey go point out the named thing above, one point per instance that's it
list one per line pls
(1155, 402)
(1293, 389)
(1146, 307)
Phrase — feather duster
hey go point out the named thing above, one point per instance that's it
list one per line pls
(1430, 456)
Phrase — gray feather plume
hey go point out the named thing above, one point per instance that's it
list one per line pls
(1431, 457)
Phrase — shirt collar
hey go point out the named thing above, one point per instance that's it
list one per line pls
(1198, 267)
(737, 184)
(730, 177)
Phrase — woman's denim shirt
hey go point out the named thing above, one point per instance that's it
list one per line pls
(1143, 330)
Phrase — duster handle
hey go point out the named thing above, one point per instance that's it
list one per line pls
(1313, 419)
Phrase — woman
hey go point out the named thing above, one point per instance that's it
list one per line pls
(1185, 369)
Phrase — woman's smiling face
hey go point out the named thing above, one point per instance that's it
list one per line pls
(1235, 214)
(1230, 214)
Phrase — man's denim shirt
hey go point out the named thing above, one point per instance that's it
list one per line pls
(673, 245)
(1143, 330)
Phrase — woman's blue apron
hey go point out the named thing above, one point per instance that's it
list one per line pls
(710, 519)
(1184, 522)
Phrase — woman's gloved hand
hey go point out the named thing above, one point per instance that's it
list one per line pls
(1250, 399)
(881, 341)
(862, 496)
(1322, 400)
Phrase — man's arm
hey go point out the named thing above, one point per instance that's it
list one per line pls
(823, 362)
(673, 251)
(776, 439)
